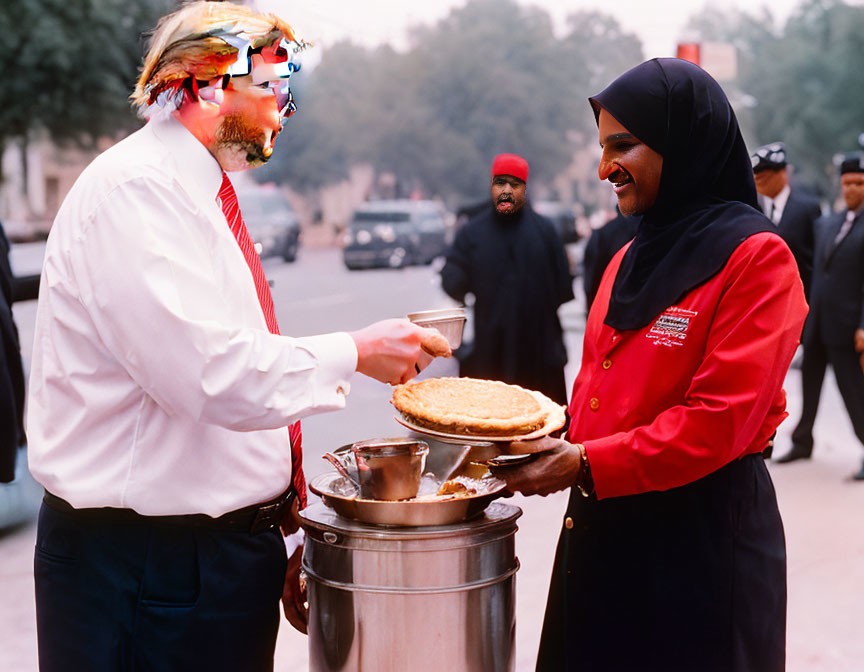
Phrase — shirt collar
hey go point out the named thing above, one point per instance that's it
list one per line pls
(778, 203)
(781, 198)
(197, 170)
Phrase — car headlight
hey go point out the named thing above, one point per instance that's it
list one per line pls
(385, 232)
(364, 237)
(347, 237)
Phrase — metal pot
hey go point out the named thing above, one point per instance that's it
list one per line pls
(422, 599)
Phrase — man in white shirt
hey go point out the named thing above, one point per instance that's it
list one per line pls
(161, 391)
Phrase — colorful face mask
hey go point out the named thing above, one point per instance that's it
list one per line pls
(268, 67)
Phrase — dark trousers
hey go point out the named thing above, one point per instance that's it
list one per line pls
(850, 380)
(142, 596)
(692, 579)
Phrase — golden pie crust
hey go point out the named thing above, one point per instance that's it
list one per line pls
(471, 406)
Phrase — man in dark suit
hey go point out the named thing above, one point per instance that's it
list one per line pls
(793, 211)
(834, 333)
(602, 246)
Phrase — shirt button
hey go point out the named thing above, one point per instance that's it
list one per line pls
(607, 363)
(594, 403)
(568, 523)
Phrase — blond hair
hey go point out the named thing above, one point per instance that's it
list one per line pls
(186, 44)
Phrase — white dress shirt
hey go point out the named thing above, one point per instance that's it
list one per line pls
(773, 207)
(154, 383)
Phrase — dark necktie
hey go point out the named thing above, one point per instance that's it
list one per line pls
(845, 228)
(231, 209)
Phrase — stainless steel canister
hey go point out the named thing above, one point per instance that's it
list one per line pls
(424, 599)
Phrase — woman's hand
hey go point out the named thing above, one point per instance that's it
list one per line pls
(556, 466)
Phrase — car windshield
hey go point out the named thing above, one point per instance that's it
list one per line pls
(365, 218)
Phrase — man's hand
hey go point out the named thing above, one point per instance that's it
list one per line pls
(555, 467)
(291, 520)
(389, 350)
(294, 594)
(859, 340)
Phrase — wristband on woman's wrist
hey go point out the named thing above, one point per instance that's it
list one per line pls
(585, 483)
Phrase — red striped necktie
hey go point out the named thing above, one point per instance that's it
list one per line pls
(228, 200)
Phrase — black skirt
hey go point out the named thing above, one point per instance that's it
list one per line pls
(688, 580)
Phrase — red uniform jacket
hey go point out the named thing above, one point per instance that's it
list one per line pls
(697, 388)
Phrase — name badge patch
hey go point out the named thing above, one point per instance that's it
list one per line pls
(670, 329)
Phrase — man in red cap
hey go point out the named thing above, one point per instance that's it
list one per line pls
(513, 262)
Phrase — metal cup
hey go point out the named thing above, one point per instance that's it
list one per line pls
(389, 469)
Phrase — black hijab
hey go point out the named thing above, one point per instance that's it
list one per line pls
(706, 203)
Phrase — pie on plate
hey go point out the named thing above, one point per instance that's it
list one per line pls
(470, 407)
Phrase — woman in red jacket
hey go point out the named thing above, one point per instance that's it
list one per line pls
(672, 555)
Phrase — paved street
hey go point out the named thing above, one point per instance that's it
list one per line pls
(822, 508)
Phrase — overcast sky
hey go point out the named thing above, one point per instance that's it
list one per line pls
(658, 24)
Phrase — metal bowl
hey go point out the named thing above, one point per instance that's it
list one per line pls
(338, 493)
(449, 321)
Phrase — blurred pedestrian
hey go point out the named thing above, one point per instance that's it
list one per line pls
(835, 329)
(602, 246)
(12, 436)
(672, 556)
(792, 210)
(513, 262)
(161, 390)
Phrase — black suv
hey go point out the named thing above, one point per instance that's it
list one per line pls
(396, 234)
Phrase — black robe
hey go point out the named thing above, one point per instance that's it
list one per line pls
(517, 270)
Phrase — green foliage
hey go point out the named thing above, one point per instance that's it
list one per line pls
(803, 82)
(490, 77)
(69, 65)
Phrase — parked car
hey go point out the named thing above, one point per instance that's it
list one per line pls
(395, 234)
(271, 222)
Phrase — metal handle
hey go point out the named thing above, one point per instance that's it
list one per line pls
(331, 537)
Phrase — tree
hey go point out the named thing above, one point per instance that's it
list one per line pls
(802, 80)
(69, 67)
(490, 77)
